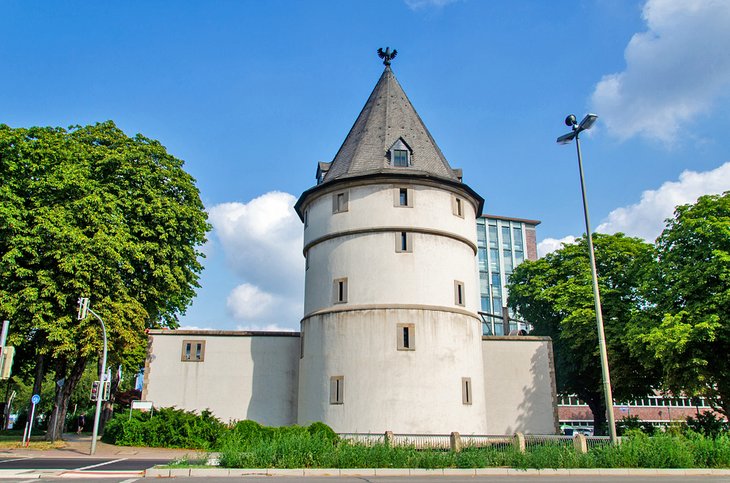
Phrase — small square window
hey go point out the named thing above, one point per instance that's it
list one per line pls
(406, 334)
(459, 293)
(457, 206)
(337, 389)
(403, 242)
(340, 202)
(193, 351)
(400, 157)
(340, 291)
(466, 390)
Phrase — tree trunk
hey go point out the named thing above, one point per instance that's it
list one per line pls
(38, 376)
(598, 408)
(63, 395)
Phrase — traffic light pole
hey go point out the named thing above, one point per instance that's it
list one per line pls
(100, 393)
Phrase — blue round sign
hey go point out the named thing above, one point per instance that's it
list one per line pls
(35, 399)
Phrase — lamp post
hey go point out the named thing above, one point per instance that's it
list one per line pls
(576, 129)
(84, 309)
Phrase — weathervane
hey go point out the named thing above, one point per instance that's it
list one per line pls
(387, 55)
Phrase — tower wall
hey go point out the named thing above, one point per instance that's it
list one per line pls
(418, 389)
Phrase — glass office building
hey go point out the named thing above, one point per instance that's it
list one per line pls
(503, 243)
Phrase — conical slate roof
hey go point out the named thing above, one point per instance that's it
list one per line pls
(388, 116)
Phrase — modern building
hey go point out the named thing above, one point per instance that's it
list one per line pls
(390, 339)
(502, 244)
(659, 410)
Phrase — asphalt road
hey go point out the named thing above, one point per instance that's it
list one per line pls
(426, 479)
(79, 464)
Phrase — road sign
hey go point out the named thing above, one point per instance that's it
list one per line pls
(35, 399)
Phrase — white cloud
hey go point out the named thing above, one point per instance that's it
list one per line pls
(675, 71)
(267, 328)
(549, 245)
(420, 4)
(247, 302)
(262, 243)
(645, 219)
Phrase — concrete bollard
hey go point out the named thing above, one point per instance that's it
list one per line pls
(388, 438)
(580, 443)
(455, 441)
(519, 442)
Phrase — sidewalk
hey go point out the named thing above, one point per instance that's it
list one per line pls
(79, 446)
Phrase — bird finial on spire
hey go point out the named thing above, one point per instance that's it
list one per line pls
(387, 55)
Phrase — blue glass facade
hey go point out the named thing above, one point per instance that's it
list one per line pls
(502, 244)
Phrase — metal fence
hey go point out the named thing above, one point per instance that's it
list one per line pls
(595, 441)
(534, 440)
(500, 442)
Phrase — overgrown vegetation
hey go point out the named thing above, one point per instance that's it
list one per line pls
(248, 444)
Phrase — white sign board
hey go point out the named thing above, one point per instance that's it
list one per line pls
(142, 405)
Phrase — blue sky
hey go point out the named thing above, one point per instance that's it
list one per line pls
(252, 94)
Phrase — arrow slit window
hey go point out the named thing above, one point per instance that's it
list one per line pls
(193, 351)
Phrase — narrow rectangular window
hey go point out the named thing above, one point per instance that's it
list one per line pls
(337, 389)
(339, 202)
(403, 242)
(193, 351)
(340, 291)
(403, 197)
(457, 205)
(459, 293)
(466, 390)
(306, 261)
(406, 337)
(306, 218)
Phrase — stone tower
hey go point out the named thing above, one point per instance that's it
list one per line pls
(390, 338)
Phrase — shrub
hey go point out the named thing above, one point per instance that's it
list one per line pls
(708, 424)
(167, 427)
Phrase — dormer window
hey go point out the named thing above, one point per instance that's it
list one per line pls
(400, 154)
(400, 157)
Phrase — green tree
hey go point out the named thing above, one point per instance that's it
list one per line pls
(687, 328)
(555, 295)
(89, 211)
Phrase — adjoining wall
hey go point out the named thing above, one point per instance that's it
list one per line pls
(243, 375)
(520, 385)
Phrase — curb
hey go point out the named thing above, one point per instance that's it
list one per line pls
(365, 472)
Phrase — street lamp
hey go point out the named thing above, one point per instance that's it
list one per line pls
(586, 123)
(84, 309)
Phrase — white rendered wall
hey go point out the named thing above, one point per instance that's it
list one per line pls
(442, 253)
(417, 391)
(386, 389)
(242, 376)
(520, 385)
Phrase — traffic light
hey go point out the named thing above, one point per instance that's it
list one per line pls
(107, 390)
(95, 390)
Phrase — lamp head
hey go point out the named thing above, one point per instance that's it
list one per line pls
(571, 121)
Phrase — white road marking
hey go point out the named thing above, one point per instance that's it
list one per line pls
(131, 480)
(16, 459)
(100, 464)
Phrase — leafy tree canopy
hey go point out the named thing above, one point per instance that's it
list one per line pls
(686, 327)
(90, 211)
(555, 295)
